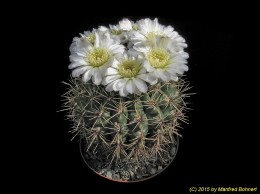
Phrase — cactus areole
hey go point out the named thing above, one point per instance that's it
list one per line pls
(128, 104)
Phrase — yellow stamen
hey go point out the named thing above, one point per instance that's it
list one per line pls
(97, 57)
(116, 32)
(129, 68)
(150, 36)
(91, 38)
(158, 58)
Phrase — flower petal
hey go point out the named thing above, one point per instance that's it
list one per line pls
(119, 84)
(97, 76)
(109, 87)
(78, 71)
(107, 41)
(75, 58)
(148, 67)
(103, 28)
(117, 48)
(171, 70)
(142, 47)
(125, 24)
(168, 30)
(136, 36)
(142, 70)
(97, 40)
(77, 64)
(111, 71)
(140, 84)
(178, 68)
(164, 75)
(109, 79)
(115, 63)
(174, 78)
(123, 92)
(87, 75)
(152, 78)
(130, 86)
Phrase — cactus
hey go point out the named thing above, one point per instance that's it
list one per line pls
(126, 97)
(127, 133)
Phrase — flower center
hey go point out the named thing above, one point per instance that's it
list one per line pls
(134, 27)
(116, 32)
(150, 36)
(158, 58)
(129, 68)
(97, 57)
(91, 38)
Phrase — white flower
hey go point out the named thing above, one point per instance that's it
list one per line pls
(126, 75)
(149, 30)
(87, 36)
(163, 62)
(116, 33)
(127, 25)
(92, 59)
(127, 56)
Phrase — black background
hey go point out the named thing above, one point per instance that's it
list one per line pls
(219, 146)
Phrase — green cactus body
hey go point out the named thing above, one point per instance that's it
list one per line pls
(132, 134)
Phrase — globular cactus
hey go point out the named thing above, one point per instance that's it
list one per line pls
(126, 97)
(134, 132)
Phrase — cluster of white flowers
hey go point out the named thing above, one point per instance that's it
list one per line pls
(128, 56)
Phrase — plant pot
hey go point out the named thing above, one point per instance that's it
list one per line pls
(126, 172)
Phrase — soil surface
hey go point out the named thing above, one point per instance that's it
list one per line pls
(128, 171)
